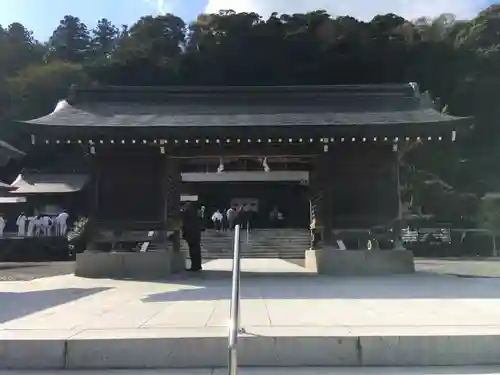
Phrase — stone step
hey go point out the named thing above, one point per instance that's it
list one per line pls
(141, 348)
(257, 244)
(477, 370)
(229, 252)
(255, 256)
(254, 247)
(263, 243)
(255, 240)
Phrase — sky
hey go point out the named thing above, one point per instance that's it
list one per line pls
(43, 16)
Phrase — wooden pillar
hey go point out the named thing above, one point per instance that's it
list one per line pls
(398, 244)
(92, 196)
(320, 197)
(171, 203)
(328, 182)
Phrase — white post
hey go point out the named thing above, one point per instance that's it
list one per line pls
(494, 238)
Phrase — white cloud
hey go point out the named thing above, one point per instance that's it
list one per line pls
(361, 9)
(163, 6)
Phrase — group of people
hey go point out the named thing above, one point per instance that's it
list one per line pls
(194, 220)
(227, 219)
(39, 225)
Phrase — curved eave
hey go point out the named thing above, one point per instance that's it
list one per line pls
(9, 151)
(368, 129)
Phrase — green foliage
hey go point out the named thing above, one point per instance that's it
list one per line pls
(456, 60)
(70, 41)
(35, 89)
(78, 235)
(489, 215)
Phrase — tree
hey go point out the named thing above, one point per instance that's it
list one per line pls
(456, 60)
(35, 90)
(19, 49)
(157, 40)
(70, 41)
(489, 218)
(104, 38)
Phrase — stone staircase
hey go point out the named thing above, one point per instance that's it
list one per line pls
(261, 243)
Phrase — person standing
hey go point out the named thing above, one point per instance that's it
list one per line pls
(45, 225)
(191, 232)
(241, 217)
(31, 226)
(21, 225)
(62, 223)
(2, 225)
(217, 218)
(224, 220)
(231, 217)
(38, 225)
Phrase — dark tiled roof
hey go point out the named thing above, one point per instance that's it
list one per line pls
(32, 183)
(238, 106)
(9, 151)
(4, 186)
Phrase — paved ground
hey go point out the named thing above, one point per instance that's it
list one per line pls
(283, 371)
(414, 304)
(473, 267)
(394, 320)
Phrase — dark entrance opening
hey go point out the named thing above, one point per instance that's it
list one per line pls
(260, 198)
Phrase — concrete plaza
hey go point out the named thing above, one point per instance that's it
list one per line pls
(291, 318)
(279, 371)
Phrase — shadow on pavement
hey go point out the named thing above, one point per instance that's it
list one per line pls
(15, 305)
(313, 287)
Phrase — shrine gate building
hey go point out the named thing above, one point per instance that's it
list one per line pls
(328, 154)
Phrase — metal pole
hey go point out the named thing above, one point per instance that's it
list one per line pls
(494, 238)
(235, 306)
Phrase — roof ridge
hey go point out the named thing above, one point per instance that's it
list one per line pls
(166, 93)
(250, 89)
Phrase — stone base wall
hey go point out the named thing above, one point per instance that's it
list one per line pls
(34, 249)
(146, 266)
(331, 261)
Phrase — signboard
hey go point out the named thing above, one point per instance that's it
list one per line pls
(189, 198)
(247, 204)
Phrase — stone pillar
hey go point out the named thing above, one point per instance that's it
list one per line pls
(335, 262)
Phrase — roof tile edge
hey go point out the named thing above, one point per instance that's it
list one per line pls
(228, 88)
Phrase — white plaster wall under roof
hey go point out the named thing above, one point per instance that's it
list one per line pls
(247, 176)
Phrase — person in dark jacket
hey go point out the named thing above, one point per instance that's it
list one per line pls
(191, 232)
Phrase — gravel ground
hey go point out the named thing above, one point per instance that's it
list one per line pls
(463, 267)
(32, 271)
